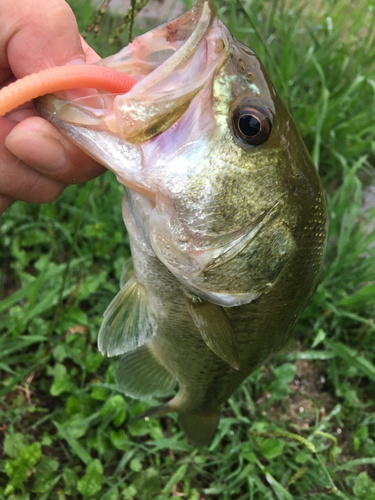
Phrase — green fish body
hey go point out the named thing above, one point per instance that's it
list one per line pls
(224, 208)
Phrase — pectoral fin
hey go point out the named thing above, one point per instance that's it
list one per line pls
(139, 374)
(215, 328)
(127, 324)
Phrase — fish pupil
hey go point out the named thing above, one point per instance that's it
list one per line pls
(249, 125)
(252, 124)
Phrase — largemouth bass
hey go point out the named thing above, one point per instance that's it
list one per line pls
(224, 208)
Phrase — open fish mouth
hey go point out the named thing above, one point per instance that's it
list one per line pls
(171, 64)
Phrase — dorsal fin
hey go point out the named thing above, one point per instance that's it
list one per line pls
(127, 324)
(140, 374)
(215, 328)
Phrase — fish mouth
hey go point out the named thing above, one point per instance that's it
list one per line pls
(171, 64)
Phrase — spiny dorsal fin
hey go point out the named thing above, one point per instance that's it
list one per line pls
(215, 328)
(139, 374)
(126, 324)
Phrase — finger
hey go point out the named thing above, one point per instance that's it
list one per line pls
(37, 143)
(35, 36)
(91, 55)
(21, 113)
(6, 77)
(5, 202)
(21, 181)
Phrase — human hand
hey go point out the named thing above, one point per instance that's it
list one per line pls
(36, 161)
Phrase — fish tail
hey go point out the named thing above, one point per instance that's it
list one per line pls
(199, 428)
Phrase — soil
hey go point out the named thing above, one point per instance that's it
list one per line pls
(309, 398)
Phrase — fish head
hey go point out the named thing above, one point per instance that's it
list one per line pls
(204, 136)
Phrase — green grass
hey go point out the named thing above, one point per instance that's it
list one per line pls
(301, 427)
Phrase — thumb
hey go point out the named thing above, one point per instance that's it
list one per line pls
(36, 35)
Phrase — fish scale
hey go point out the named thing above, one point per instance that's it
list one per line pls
(227, 222)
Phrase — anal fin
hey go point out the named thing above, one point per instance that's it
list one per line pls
(215, 328)
(126, 323)
(140, 374)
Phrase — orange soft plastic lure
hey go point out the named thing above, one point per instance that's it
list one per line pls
(63, 78)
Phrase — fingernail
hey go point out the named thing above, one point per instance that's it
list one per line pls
(40, 151)
(76, 60)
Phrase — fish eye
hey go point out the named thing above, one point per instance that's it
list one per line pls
(252, 125)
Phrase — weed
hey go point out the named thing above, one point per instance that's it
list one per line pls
(303, 426)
